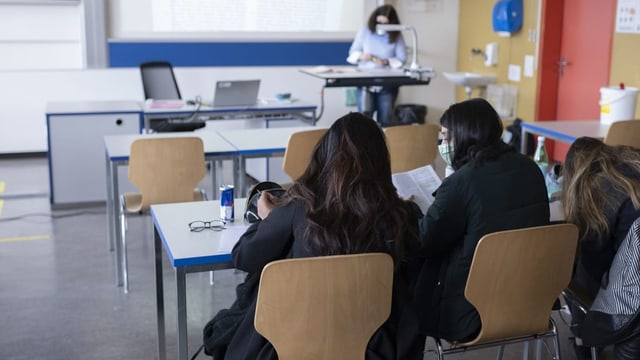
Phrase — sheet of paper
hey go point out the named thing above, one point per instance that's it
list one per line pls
(229, 238)
(418, 184)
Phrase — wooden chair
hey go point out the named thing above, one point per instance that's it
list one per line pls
(514, 280)
(412, 146)
(165, 170)
(324, 307)
(299, 149)
(624, 133)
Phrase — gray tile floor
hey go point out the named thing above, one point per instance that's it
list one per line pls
(58, 297)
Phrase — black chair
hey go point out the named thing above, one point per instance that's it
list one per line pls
(159, 83)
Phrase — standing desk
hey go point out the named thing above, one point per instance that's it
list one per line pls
(256, 143)
(117, 151)
(351, 76)
(189, 252)
(566, 131)
(270, 111)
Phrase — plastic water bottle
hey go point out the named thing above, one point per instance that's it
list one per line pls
(540, 156)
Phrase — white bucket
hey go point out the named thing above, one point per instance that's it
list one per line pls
(617, 104)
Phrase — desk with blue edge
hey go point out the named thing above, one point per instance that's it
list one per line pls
(189, 252)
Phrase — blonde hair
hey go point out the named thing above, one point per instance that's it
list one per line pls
(593, 174)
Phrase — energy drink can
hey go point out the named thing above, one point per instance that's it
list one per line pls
(226, 202)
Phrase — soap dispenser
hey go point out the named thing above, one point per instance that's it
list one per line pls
(491, 55)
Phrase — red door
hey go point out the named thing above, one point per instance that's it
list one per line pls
(578, 60)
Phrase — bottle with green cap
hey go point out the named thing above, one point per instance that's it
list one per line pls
(540, 156)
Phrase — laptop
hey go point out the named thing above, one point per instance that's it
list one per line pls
(236, 93)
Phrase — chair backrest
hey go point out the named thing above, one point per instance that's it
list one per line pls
(624, 133)
(167, 169)
(516, 276)
(412, 146)
(324, 307)
(299, 149)
(158, 81)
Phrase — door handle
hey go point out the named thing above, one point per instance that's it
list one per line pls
(562, 64)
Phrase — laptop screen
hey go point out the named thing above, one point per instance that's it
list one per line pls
(236, 93)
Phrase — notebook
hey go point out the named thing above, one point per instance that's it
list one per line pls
(236, 93)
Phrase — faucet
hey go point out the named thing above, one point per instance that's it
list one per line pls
(475, 52)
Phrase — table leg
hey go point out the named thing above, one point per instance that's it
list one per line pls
(162, 350)
(239, 175)
(219, 178)
(110, 221)
(183, 351)
(116, 230)
(523, 141)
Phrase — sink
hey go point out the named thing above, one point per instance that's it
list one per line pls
(469, 79)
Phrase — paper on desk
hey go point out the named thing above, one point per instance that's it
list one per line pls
(328, 70)
(419, 183)
(229, 238)
(166, 104)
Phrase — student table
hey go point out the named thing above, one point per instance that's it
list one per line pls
(237, 145)
(117, 150)
(257, 143)
(189, 252)
(566, 131)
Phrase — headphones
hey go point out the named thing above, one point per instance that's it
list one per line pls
(251, 212)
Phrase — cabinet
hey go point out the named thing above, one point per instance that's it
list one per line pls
(75, 137)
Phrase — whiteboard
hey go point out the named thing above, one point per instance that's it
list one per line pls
(234, 19)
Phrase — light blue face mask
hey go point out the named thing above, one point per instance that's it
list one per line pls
(446, 151)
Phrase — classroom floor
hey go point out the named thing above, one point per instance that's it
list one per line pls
(58, 295)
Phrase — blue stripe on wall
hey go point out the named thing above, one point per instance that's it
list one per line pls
(131, 54)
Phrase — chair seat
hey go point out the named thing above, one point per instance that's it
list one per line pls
(133, 201)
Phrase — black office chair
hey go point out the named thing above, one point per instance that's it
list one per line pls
(159, 83)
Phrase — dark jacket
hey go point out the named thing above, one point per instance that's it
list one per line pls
(503, 194)
(280, 236)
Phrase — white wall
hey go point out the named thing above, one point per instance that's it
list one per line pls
(24, 94)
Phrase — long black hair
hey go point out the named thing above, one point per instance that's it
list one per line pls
(475, 131)
(353, 206)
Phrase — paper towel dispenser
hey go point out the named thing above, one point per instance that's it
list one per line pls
(507, 16)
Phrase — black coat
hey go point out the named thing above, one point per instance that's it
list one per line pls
(503, 194)
(280, 236)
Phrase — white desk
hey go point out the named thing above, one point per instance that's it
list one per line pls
(257, 143)
(75, 173)
(74, 134)
(117, 150)
(189, 252)
(271, 111)
(566, 131)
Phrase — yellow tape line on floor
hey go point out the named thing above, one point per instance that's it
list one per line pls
(24, 238)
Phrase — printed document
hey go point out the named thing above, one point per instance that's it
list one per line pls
(419, 183)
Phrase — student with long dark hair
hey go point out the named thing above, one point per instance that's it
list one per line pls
(493, 188)
(344, 203)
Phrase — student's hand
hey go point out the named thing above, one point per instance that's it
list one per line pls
(380, 62)
(365, 57)
(265, 204)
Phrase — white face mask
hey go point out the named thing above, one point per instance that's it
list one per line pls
(446, 151)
